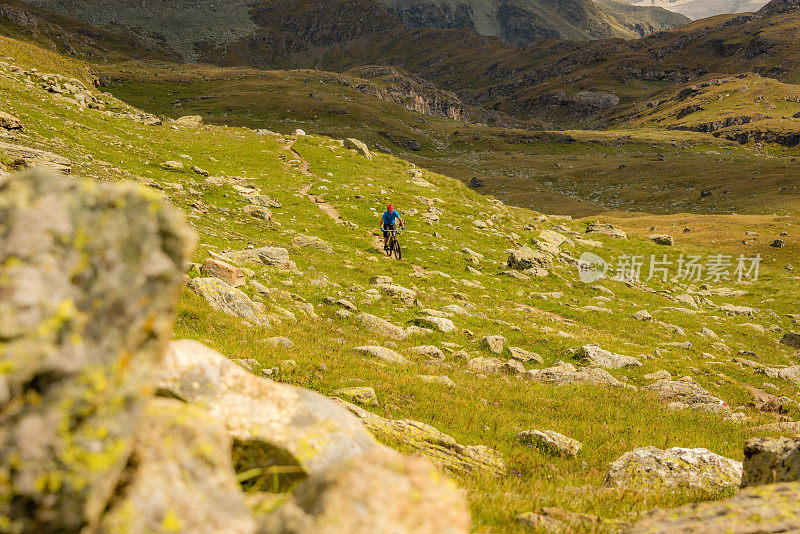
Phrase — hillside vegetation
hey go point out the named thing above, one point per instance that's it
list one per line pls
(244, 189)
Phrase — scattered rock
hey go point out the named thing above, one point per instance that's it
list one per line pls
(686, 394)
(551, 442)
(485, 365)
(279, 342)
(606, 229)
(643, 315)
(524, 355)
(224, 271)
(192, 121)
(566, 374)
(259, 212)
(662, 239)
(380, 326)
(304, 241)
(437, 323)
(430, 351)
(176, 166)
(495, 344)
(361, 395)
(9, 122)
(676, 469)
(438, 380)
(527, 258)
(382, 353)
(226, 298)
(33, 157)
(594, 356)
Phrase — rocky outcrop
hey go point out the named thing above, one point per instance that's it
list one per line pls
(676, 469)
(89, 276)
(228, 299)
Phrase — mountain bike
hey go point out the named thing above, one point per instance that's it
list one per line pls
(394, 245)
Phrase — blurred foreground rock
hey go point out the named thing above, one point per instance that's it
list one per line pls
(89, 279)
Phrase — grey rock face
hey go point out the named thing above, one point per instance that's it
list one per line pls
(89, 276)
(770, 460)
(685, 394)
(226, 298)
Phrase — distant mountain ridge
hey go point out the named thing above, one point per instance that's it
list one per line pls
(193, 27)
(522, 22)
(699, 9)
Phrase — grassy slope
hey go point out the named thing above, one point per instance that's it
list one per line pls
(486, 411)
(636, 168)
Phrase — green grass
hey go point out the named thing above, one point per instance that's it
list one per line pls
(490, 410)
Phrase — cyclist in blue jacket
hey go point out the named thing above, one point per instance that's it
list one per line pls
(388, 223)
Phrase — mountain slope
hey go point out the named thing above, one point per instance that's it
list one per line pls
(699, 9)
(524, 21)
(696, 333)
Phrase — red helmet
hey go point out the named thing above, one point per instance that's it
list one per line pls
(390, 207)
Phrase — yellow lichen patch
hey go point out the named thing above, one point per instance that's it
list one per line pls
(171, 522)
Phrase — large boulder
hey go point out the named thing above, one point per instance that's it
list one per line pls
(180, 474)
(770, 460)
(595, 356)
(305, 241)
(676, 469)
(550, 442)
(442, 450)
(33, 157)
(771, 508)
(305, 427)
(228, 299)
(606, 229)
(89, 278)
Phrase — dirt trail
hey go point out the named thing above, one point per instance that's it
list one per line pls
(325, 207)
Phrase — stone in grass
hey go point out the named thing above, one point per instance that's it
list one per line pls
(440, 380)
(771, 460)
(89, 278)
(9, 122)
(359, 146)
(437, 323)
(360, 395)
(791, 339)
(676, 469)
(382, 353)
(595, 356)
(662, 239)
(224, 271)
(494, 344)
(380, 326)
(259, 212)
(524, 355)
(550, 442)
(279, 342)
(642, 315)
(431, 351)
(228, 299)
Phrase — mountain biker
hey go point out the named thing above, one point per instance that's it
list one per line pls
(388, 224)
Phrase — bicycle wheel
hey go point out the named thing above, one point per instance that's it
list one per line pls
(397, 252)
(389, 247)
